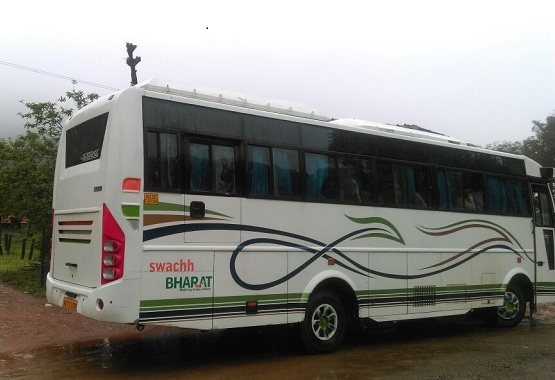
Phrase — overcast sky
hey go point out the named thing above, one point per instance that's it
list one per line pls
(480, 71)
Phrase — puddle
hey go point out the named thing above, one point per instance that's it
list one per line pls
(273, 353)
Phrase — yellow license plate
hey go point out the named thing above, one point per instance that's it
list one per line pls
(70, 304)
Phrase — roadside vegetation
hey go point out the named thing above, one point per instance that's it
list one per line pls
(26, 177)
(25, 264)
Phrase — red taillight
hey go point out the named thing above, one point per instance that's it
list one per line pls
(113, 248)
(131, 184)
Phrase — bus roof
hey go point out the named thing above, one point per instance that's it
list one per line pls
(230, 98)
(280, 107)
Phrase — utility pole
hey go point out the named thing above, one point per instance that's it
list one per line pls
(132, 62)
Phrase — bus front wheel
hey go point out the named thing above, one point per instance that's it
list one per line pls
(513, 309)
(325, 323)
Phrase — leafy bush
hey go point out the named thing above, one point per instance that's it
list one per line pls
(23, 274)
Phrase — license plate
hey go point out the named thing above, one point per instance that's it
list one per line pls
(70, 304)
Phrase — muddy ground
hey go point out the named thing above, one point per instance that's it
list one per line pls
(28, 324)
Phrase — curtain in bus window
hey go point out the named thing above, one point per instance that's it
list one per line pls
(317, 172)
(199, 176)
(442, 190)
(411, 187)
(518, 198)
(496, 195)
(286, 170)
(168, 160)
(455, 190)
(260, 169)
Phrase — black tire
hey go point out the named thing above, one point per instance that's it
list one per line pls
(325, 323)
(513, 309)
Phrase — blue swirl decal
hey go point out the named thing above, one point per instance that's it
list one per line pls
(379, 228)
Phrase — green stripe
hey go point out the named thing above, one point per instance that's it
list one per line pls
(195, 302)
(131, 211)
(269, 299)
(163, 206)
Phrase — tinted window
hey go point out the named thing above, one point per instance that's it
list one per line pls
(259, 171)
(401, 149)
(506, 196)
(459, 191)
(355, 178)
(162, 161)
(404, 185)
(270, 131)
(199, 167)
(84, 141)
(321, 180)
(543, 213)
(224, 169)
(190, 118)
(286, 172)
(459, 158)
(212, 168)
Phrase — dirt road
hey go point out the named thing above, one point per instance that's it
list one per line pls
(28, 323)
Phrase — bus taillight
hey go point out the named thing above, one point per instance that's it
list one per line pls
(113, 248)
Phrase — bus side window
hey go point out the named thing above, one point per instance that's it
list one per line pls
(224, 169)
(162, 166)
(355, 176)
(199, 167)
(321, 180)
(507, 196)
(212, 168)
(386, 186)
(543, 213)
(259, 170)
(286, 172)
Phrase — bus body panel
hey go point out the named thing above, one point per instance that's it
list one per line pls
(75, 239)
(216, 259)
(120, 307)
(80, 193)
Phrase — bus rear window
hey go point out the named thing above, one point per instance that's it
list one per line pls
(84, 141)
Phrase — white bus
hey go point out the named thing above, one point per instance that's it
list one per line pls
(205, 211)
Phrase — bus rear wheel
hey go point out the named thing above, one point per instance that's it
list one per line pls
(325, 323)
(513, 309)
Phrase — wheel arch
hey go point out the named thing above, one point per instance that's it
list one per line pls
(522, 280)
(339, 284)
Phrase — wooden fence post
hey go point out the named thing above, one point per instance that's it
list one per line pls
(31, 250)
(23, 244)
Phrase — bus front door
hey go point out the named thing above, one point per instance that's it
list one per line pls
(544, 241)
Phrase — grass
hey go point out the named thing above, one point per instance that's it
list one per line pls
(23, 274)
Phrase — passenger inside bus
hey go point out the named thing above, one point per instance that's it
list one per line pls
(351, 191)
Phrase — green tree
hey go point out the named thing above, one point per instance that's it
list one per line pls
(540, 147)
(28, 170)
(27, 162)
(45, 118)
(514, 147)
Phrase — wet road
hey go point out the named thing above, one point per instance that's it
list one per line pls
(459, 349)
